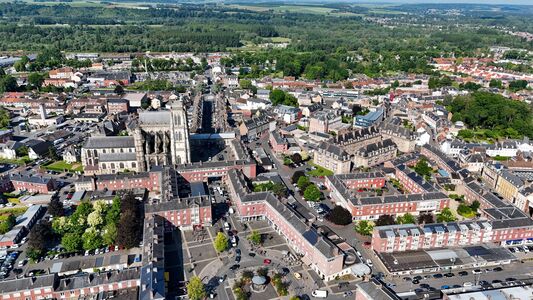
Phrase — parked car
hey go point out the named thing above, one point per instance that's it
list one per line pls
(267, 262)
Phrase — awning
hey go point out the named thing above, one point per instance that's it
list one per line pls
(360, 270)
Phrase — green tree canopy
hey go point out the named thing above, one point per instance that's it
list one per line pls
(221, 242)
(312, 193)
(407, 218)
(340, 216)
(255, 237)
(446, 215)
(364, 227)
(196, 289)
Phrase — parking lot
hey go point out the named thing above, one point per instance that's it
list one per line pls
(459, 279)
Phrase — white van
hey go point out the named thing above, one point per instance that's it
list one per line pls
(320, 294)
(227, 226)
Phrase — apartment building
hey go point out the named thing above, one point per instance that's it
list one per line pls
(352, 141)
(375, 153)
(333, 158)
(316, 250)
(344, 191)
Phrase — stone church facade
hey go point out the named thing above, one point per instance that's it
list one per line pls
(159, 138)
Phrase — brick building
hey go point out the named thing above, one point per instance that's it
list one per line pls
(33, 184)
(344, 192)
(184, 213)
(315, 250)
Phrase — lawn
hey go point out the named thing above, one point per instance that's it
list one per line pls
(61, 166)
(17, 211)
(20, 161)
(319, 171)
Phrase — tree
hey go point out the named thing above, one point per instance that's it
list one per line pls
(296, 158)
(5, 118)
(422, 168)
(35, 80)
(72, 242)
(92, 239)
(196, 289)
(130, 232)
(303, 182)
(8, 84)
(495, 83)
(8, 223)
(296, 176)
(517, 85)
(109, 235)
(55, 208)
(38, 238)
(312, 193)
(464, 210)
(385, 220)
(52, 153)
(364, 227)
(255, 237)
(113, 213)
(95, 219)
(426, 218)
(277, 96)
(475, 205)
(407, 218)
(446, 215)
(279, 190)
(130, 223)
(221, 242)
(340, 216)
(20, 65)
(119, 90)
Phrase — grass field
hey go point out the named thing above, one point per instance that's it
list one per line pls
(17, 211)
(319, 171)
(61, 165)
(88, 3)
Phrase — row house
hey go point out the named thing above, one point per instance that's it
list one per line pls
(344, 191)
(375, 153)
(257, 126)
(509, 229)
(152, 181)
(33, 184)
(508, 185)
(202, 171)
(105, 284)
(409, 237)
(332, 157)
(116, 106)
(316, 250)
(411, 181)
(184, 213)
(278, 142)
(443, 161)
(473, 191)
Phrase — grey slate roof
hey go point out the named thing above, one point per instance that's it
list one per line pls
(100, 142)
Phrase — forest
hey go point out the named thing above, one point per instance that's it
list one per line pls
(210, 27)
(494, 114)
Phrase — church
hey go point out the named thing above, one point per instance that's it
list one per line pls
(156, 138)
